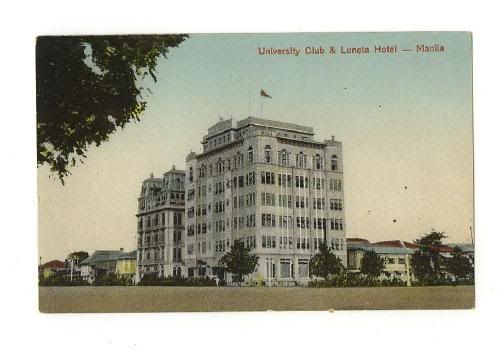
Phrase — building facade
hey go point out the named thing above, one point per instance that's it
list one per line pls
(271, 185)
(126, 267)
(396, 255)
(101, 262)
(160, 225)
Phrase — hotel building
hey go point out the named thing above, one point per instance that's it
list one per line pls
(267, 183)
(160, 225)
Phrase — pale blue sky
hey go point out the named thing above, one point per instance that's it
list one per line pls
(419, 137)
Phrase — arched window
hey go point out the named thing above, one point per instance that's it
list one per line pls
(300, 160)
(267, 154)
(283, 157)
(334, 162)
(250, 154)
(220, 166)
(318, 162)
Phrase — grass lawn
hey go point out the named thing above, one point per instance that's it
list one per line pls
(172, 299)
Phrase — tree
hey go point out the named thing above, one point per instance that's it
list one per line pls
(421, 266)
(86, 87)
(325, 263)
(432, 239)
(372, 264)
(427, 262)
(459, 265)
(77, 257)
(239, 261)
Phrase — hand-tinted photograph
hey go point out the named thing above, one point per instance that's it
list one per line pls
(254, 172)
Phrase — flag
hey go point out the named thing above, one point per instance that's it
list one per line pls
(264, 94)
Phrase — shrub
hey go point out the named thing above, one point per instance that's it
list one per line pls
(153, 280)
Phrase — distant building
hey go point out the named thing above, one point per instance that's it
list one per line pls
(101, 262)
(126, 266)
(357, 241)
(50, 268)
(160, 225)
(467, 250)
(395, 253)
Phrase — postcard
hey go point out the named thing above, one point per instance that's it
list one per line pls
(254, 172)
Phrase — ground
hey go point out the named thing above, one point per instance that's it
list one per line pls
(167, 299)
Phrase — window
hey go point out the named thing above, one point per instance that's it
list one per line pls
(336, 204)
(268, 220)
(334, 162)
(268, 241)
(220, 166)
(336, 224)
(268, 199)
(301, 182)
(250, 154)
(303, 270)
(267, 154)
(270, 268)
(300, 160)
(267, 178)
(286, 268)
(283, 157)
(318, 162)
(190, 174)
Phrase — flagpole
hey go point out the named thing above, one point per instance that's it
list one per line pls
(249, 103)
(261, 105)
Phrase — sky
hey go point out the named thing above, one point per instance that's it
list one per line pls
(405, 120)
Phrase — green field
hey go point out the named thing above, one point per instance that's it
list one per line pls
(171, 299)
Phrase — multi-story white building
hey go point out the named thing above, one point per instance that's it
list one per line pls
(160, 225)
(270, 184)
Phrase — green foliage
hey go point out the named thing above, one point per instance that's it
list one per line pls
(239, 261)
(325, 263)
(421, 265)
(372, 264)
(355, 280)
(86, 88)
(459, 266)
(109, 279)
(60, 279)
(432, 239)
(77, 256)
(427, 262)
(153, 280)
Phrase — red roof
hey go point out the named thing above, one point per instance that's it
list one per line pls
(397, 244)
(357, 240)
(443, 248)
(54, 264)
